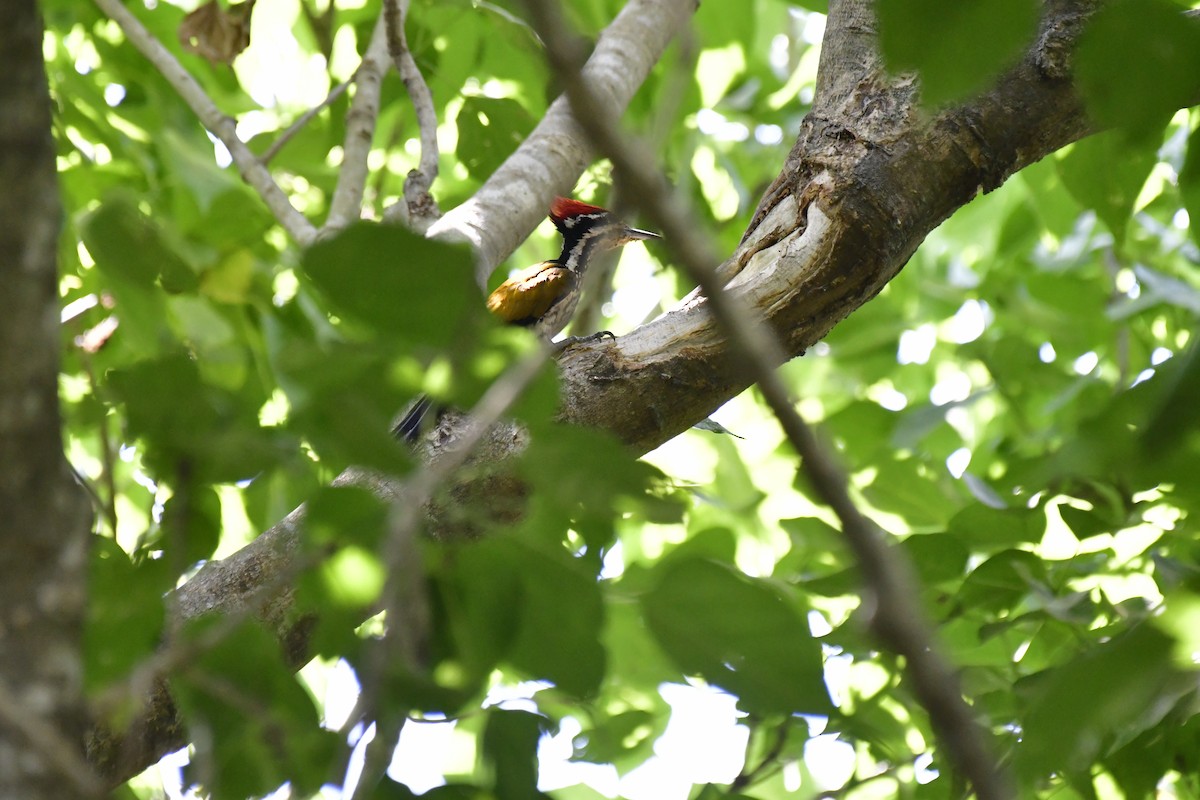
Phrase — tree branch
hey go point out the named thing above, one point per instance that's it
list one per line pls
(253, 171)
(255, 583)
(514, 199)
(346, 205)
(45, 525)
(421, 210)
(857, 195)
(855, 198)
(891, 585)
(303, 119)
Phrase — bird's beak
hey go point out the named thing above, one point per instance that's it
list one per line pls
(636, 234)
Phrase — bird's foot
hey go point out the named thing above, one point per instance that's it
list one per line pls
(570, 341)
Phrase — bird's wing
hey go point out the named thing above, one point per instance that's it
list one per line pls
(526, 297)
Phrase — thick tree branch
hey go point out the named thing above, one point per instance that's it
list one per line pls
(868, 178)
(866, 181)
(253, 171)
(891, 586)
(514, 199)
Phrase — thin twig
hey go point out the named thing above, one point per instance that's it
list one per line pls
(108, 461)
(404, 602)
(346, 205)
(407, 613)
(377, 755)
(897, 619)
(181, 651)
(303, 120)
(220, 125)
(60, 752)
(422, 209)
(769, 759)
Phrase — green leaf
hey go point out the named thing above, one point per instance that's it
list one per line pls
(586, 490)
(191, 524)
(956, 47)
(397, 282)
(1105, 173)
(533, 605)
(1002, 581)
(261, 726)
(124, 613)
(738, 633)
(342, 515)
(1189, 182)
(982, 526)
(489, 130)
(1175, 415)
(614, 738)
(862, 427)
(905, 487)
(1137, 62)
(1084, 524)
(195, 432)
(1077, 707)
(130, 245)
(510, 746)
(938, 557)
(343, 402)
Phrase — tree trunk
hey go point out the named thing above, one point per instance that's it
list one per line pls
(43, 517)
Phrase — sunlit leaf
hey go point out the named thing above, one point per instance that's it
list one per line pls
(738, 633)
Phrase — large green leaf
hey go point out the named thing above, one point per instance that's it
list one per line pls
(489, 129)
(397, 282)
(1137, 62)
(259, 726)
(1072, 713)
(956, 47)
(510, 746)
(533, 605)
(131, 245)
(742, 634)
(1105, 173)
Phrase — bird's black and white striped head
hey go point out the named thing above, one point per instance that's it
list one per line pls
(586, 229)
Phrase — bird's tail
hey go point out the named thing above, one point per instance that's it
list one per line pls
(411, 425)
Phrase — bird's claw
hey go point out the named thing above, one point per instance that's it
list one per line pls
(570, 341)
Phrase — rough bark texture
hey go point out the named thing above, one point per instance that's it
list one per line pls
(43, 524)
(870, 175)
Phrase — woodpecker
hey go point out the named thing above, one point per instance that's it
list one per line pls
(544, 297)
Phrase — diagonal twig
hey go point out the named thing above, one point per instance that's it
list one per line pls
(406, 607)
(303, 120)
(897, 619)
(422, 210)
(220, 125)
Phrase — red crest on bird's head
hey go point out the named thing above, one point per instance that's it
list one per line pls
(564, 208)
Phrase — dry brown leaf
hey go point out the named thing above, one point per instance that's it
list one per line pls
(218, 34)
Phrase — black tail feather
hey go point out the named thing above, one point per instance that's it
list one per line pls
(411, 425)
